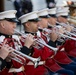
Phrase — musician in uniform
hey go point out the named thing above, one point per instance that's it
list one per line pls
(30, 23)
(7, 26)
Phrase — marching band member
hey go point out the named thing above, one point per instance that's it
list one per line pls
(7, 26)
(44, 22)
(30, 23)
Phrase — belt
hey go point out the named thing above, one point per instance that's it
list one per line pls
(16, 70)
(40, 63)
(62, 49)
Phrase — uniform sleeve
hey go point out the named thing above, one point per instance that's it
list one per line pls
(44, 53)
(2, 64)
(60, 42)
(26, 50)
(51, 43)
(56, 43)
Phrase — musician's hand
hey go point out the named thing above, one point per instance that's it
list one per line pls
(72, 27)
(61, 29)
(10, 55)
(29, 40)
(4, 51)
(69, 28)
(53, 35)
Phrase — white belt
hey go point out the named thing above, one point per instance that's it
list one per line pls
(63, 49)
(40, 63)
(22, 67)
(17, 70)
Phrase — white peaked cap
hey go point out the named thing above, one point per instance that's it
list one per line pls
(62, 9)
(8, 14)
(43, 12)
(62, 14)
(52, 11)
(28, 16)
(61, 3)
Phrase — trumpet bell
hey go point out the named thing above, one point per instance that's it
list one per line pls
(36, 62)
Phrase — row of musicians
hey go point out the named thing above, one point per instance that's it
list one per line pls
(51, 61)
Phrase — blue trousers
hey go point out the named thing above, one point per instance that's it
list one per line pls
(74, 59)
(63, 71)
(71, 66)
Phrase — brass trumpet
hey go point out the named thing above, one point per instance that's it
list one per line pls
(20, 57)
(67, 32)
(34, 60)
(40, 41)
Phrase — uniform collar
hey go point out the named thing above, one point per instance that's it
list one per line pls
(35, 34)
(40, 30)
(7, 36)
